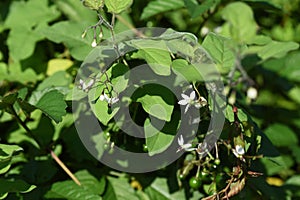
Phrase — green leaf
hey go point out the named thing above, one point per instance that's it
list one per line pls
(34, 171)
(158, 60)
(16, 73)
(69, 33)
(156, 140)
(273, 165)
(159, 190)
(40, 13)
(241, 114)
(160, 6)
(117, 6)
(195, 9)
(155, 53)
(51, 103)
(276, 49)
(25, 28)
(156, 106)
(74, 10)
(7, 186)
(59, 80)
(281, 135)
(21, 41)
(221, 50)
(185, 71)
(93, 4)
(119, 189)
(69, 190)
(242, 25)
(6, 154)
(90, 183)
(7, 100)
(156, 100)
(103, 112)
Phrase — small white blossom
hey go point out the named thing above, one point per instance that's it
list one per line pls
(204, 31)
(190, 100)
(252, 93)
(187, 100)
(186, 147)
(104, 97)
(86, 86)
(238, 151)
(94, 43)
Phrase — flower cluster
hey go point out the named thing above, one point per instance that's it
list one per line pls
(86, 86)
(109, 100)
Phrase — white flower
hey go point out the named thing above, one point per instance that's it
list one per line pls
(86, 86)
(186, 147)
(190, 100)
(238, 151)
(187, 100)
(252, 93)
(94, 43)
(104, 97)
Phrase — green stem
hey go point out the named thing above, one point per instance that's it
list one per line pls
(23, 124)
(30, 133)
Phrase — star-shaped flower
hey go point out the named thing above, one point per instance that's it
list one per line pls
(86, 86)
(183, 146)
(190, 100)
(187, 100)
(109, 100)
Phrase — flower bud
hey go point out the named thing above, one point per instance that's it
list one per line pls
(94, 43)
(232, 98)
(100, 35)
(84, 34)
(252, 93)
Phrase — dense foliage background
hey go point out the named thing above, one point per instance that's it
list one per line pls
(254, 44)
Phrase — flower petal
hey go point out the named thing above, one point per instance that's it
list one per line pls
(186, 108)
(180, 140)
(184, 96)
(192, 95)
(183, 102)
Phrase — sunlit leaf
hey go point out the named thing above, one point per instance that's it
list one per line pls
(93, 4)
(69, 33)
(276, 49)
(160, 6)
(222, 51)
(117, 6)
(119, 189)
(6, 153)
(51, 103)
(242, 25)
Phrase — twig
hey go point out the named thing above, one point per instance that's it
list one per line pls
(23, 124)
(130, 26)
(64, 167)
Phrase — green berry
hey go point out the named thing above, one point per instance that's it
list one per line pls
(195, 183)
(217, 161)
(181, 176)
(145, 148)
(106, 135)
(105, 146)
(205, 177)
